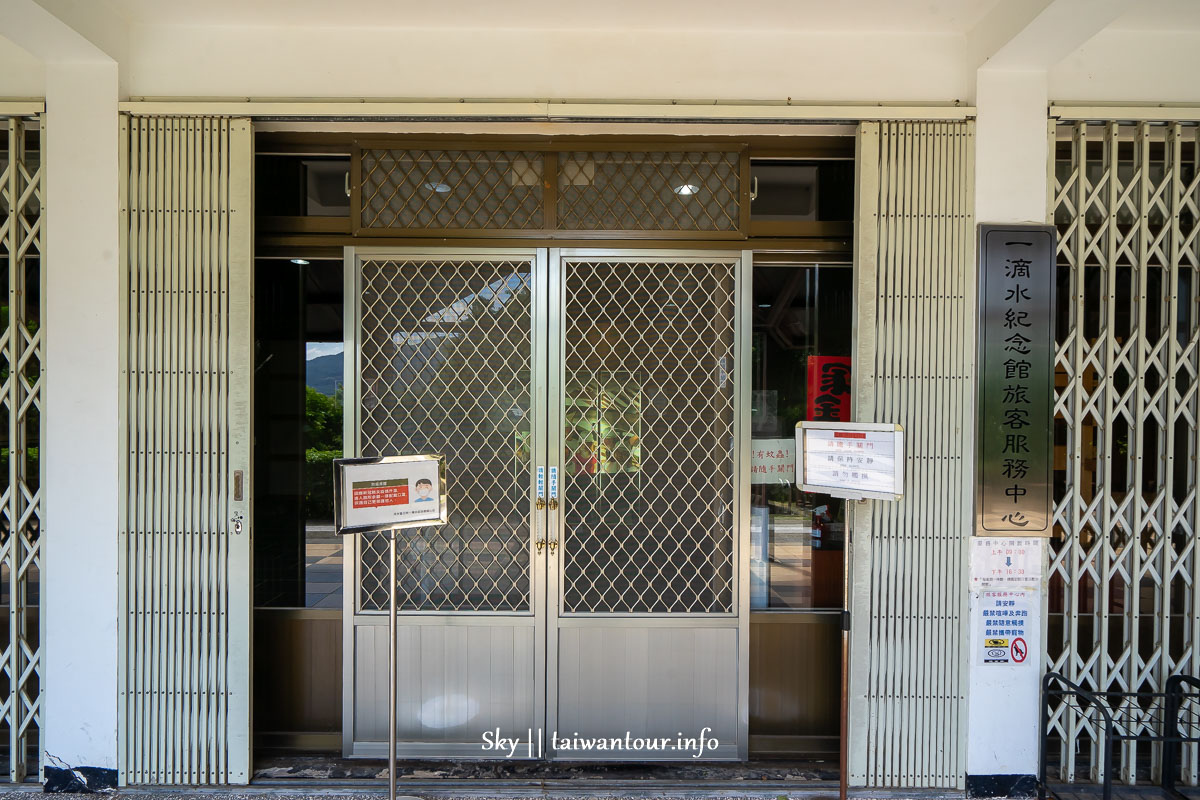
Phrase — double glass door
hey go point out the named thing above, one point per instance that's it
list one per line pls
(587, 598)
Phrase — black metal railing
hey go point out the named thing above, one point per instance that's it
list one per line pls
(1173, 737)
(1150, 717)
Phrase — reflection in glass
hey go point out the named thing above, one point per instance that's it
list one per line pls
(801, 371)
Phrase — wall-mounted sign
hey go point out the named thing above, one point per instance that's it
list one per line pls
(375, 494)
(773, 461)
(828, 388)
(999, 562)
(1006, 624)
(1015, 393)
(856, 460)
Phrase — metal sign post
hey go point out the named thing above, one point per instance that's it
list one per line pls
(374, 495)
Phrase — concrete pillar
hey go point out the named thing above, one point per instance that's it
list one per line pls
(81, 445)
(1010, 187)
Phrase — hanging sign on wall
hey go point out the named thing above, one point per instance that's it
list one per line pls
(1015, 371)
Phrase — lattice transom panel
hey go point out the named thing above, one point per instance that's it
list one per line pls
(653, 191)
(414, 191)
(21, 336)
(648, 427)
(445, 368)
(451, 190)
(1124, 605)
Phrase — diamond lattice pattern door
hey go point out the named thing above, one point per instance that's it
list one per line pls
(648, 426)
(445, 368)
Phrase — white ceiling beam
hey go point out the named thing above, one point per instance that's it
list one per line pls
(1037, 34)
(65, 30)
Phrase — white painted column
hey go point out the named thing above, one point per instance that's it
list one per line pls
(80, 450)
(1010, 187)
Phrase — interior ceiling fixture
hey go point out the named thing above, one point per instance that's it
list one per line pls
(301, 261)
(437, 186)
(686, 189)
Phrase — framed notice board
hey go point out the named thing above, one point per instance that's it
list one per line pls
(378, 494)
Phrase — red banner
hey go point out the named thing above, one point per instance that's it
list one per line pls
(828, 388)
(375, 494)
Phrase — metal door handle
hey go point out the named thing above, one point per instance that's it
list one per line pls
(541, 504)
(553, 545)
(540, 544)
(553, 504)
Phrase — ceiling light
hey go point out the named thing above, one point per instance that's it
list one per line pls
(301, 261)
(686, 189)
(437, 186)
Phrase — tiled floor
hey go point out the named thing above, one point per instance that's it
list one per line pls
(323, 567)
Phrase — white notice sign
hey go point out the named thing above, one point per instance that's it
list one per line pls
(1001, 561)
(395, 492)
(773, 461)
(852, 460)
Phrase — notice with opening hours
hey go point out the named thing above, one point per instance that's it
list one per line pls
(1015, 369)
(1001, 562)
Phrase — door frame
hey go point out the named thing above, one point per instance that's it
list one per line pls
(351, 617)
(547, 352)
(739, 619)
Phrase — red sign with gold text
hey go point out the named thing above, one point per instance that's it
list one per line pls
(828, 389)
(374, 494)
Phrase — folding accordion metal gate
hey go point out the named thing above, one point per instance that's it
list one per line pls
(22, 165)
(184, 707)
(1124, 604)
(914, 273)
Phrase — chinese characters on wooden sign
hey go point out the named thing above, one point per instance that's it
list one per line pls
(1015, 372)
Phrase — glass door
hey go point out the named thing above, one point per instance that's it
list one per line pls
(450, 359)
(644, 629)
(802, 323)
(589, 590)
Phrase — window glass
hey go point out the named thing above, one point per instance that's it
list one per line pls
(801, 371)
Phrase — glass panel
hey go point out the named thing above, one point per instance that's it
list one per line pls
(802, 191)
(801, 371)
(322, 444)
(302, 186)
(648, 413)
(445, 368)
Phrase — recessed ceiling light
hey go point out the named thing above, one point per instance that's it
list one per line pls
(686, 189)
(437, 186)
(301, 261)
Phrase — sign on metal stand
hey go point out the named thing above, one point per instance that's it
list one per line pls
(372, 495)
(853, 460)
